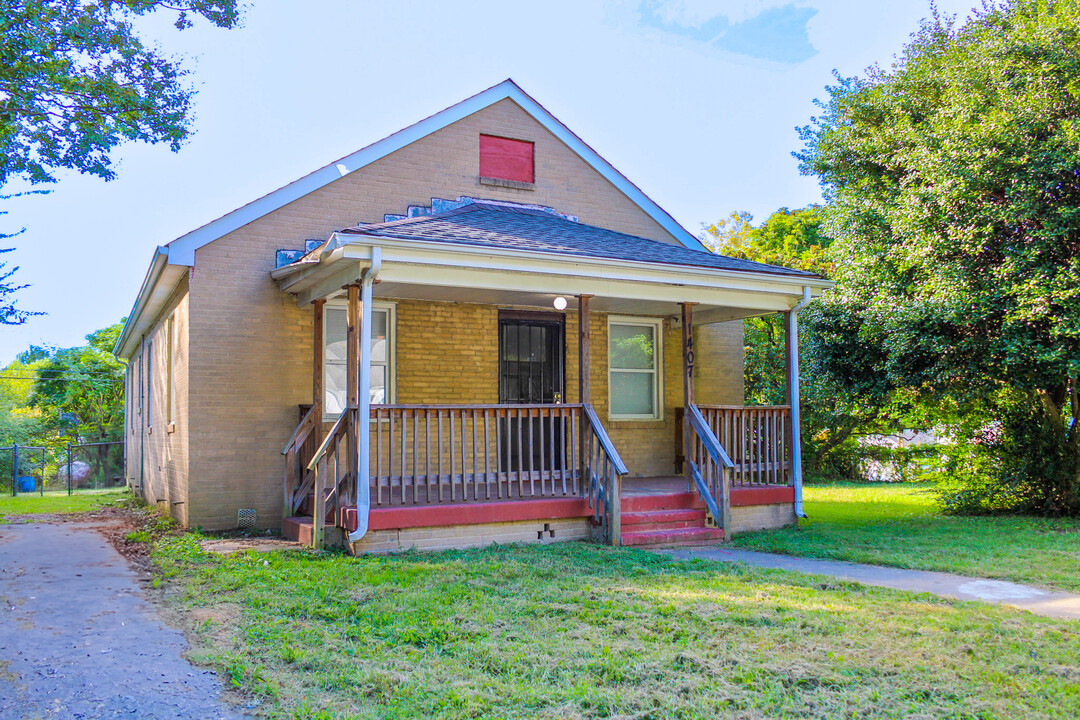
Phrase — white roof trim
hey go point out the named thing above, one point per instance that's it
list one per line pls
(182, 250)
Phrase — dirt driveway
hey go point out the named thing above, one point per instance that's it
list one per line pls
(80, 639)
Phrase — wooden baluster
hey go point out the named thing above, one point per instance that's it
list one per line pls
(475, 464)
(464, 448)
(440, 434)
(427, 455)
(571, 437)
(318, 513)
(540, 421)
(532, 478)
(487, 456)
(562, 448)
(520, 458)
(453, 455)
(501, 468)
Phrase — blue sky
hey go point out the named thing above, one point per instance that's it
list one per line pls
(696, 101)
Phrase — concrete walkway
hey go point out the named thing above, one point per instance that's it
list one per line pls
(1025, 597)
(79, 639)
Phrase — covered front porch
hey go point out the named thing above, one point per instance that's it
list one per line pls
(582, 438)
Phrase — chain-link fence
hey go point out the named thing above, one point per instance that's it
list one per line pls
(66, 469)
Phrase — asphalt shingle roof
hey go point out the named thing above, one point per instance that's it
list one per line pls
(515, 228)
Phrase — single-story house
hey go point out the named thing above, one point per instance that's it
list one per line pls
(474, 330)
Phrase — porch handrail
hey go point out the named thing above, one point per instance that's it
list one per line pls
(604, 468)
(300, 434)
(713, 485)
(605, 441)
(335, 429)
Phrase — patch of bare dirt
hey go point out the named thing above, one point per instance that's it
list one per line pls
(226, 546)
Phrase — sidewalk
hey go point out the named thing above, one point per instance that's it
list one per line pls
(1035, 600)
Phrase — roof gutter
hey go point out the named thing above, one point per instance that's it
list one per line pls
(157, 267)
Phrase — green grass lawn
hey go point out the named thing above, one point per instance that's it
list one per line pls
(900, 525)
(60, 502)
(583, 631)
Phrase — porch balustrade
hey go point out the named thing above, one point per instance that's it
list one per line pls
(756, 438)
(432, 454)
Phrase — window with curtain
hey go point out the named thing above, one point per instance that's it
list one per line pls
(633, 368)
(334, 357)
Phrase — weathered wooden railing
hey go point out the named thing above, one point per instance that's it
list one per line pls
(604, 469)
(330, 474)
(438, 454)
(710, 467)
(756, 438)
(295, 461)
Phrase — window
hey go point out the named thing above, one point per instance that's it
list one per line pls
(169, 373)
(633, 368)
(149, 384)
(506, 159)
(335, 323)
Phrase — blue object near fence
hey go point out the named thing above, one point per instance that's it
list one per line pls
(27, 484)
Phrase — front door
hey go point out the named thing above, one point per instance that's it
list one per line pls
(530, 372)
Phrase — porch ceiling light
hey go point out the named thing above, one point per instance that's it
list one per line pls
(560, 303)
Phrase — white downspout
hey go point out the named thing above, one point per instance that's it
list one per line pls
(363, 412)
(796, 410)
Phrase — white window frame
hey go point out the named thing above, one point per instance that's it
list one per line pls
(657, 325)
(341, 305)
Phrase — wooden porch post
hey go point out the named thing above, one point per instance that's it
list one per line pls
(317, 366)
(352, 377)
(688, 388)
(584, 386)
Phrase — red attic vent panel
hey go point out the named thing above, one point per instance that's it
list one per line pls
(506, 159)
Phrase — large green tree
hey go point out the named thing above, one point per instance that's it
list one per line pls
(76, 80)
(952, 181)
(832, 419)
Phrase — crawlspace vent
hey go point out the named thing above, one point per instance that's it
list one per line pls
(245, 518)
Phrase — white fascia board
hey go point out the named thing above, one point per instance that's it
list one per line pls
(182, 250)
(157, 286)
(435, 264)
(490, 258)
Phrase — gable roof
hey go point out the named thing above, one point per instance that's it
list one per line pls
(182, 250)
(529, 229)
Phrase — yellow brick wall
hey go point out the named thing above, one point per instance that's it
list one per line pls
(157, 438)
(466, 536)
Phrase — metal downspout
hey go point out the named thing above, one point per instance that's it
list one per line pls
(363, 412)
(796, 410)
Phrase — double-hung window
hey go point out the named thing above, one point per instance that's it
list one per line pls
(634, 356)
(335, 369)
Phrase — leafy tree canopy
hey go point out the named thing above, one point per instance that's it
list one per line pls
(76, 80)
(952, 180)
(82, 386)
(792, 238)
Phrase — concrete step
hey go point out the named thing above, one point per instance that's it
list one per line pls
(663, 517)
(683, 536)
(300, 528)
(664, 501)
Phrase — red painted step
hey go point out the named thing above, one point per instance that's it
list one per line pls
(663, 517)
(668, 501)
(681, 536)
(299, 528)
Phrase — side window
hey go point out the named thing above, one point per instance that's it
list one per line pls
(149, 385)
(335, 371)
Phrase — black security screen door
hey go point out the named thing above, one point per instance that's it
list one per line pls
(530, 372)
